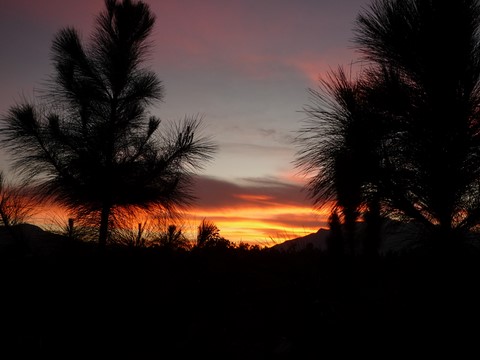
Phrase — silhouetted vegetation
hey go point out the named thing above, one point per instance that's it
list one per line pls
(238, 303)
(16, 205)
(173, 238)
(378, 146)
(401, 138)
(208, 236)
(335, 239)
(92, 146)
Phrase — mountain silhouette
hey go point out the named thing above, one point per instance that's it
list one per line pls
(396, 236)
(317, 240)
(29, 239)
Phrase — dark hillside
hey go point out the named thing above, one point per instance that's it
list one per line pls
(234, 304)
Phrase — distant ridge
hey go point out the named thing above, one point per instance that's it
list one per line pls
(395, 236)
(316, 240)
(31, 240)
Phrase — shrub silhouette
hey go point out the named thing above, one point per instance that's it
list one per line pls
(208, 236)
(16, 206)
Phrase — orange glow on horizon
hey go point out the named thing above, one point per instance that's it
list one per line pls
(264, 226)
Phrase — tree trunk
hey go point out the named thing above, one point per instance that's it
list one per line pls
(335, 239)
(70, 228)
(446, 239)
(350, 221)
(372, 236)
(104, 227)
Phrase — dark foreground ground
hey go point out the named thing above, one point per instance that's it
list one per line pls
(238, 305)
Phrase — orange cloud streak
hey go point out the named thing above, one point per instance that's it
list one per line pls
(264, 225)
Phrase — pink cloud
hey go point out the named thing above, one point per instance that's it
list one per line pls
(258, 39)
(63, 12)
(219, 193)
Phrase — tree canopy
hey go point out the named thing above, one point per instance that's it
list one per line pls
(91, 144)
(403, 135)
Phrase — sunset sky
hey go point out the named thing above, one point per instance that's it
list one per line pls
(244, 65)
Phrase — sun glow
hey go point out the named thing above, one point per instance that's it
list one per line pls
(264, 225)
(262, 212)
